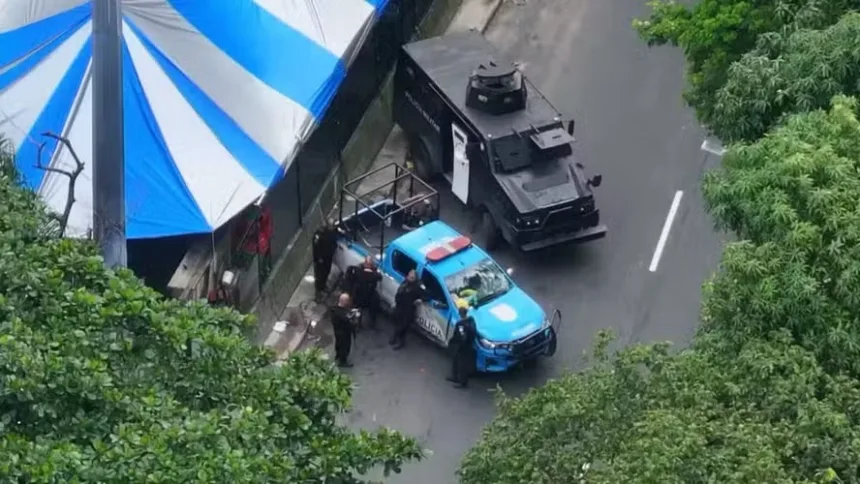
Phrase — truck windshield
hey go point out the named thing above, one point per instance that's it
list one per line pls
(479, 283)
(515, 152)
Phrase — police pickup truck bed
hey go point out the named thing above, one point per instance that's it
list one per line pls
(512, 327)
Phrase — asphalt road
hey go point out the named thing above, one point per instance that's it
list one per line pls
(632, 127)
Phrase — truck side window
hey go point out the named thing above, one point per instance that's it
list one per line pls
(402, 263)
(432, 286)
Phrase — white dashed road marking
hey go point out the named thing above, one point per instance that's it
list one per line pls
(667, 227)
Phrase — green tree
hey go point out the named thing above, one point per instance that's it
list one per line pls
(765, 413)
(103, 380)
(793, 197)
(787, 74)
(715, 33)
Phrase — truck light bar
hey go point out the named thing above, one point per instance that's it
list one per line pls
(448, 248)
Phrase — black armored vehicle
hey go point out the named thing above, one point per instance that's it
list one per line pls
(472, 117)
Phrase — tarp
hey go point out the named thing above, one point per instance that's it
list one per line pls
(218, 96)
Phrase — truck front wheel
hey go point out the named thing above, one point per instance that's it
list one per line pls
(488, 231)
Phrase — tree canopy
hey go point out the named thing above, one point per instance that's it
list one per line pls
(769, 389)
(103, 380)
(787, 74)
(765, 412)
(794, 196)
(714, 34)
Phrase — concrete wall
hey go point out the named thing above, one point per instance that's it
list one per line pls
(194, 277)
(358, 154)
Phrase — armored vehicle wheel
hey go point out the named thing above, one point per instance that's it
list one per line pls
(488, 231)
(420, 157)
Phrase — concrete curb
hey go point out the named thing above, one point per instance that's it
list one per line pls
(493, 10)
(301, 335)
(475, 15)
(299, 338)
(295, 342)
(309, 318)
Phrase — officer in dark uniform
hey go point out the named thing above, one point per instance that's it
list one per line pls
(366, 278)
(406, 300)
(341, 321)
(350, 278)
(463, 350)
(323, 248)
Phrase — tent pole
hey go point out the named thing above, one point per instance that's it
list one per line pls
(108, 141)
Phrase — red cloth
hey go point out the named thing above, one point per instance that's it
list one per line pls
(258, 240)
(265, 235)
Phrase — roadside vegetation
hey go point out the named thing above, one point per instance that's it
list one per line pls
(769, 391)
(103, 380)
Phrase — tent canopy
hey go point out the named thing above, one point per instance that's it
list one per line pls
(218, 95)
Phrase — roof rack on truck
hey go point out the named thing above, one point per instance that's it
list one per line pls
(389, 202)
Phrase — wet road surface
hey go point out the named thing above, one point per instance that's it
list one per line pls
(631, 126)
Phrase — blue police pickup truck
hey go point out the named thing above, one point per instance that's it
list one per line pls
(512, 327)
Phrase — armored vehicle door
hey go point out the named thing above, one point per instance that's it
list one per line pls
(460, 178)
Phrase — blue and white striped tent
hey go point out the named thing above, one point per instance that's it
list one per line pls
(218, 95)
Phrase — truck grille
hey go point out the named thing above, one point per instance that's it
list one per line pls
(570, 217)
(530, 344)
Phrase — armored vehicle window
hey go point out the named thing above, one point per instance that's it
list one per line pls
(402, 263)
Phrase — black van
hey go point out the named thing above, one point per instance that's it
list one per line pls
(473, 117)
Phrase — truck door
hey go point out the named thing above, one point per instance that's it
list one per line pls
(460, 177)
(397, 265)
(434, 317)
(346, 256)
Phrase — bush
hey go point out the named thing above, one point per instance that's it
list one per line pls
(765, 413)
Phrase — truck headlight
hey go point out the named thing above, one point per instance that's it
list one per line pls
(546, 328)
(587, 207)
(490, 345)
(528, 221)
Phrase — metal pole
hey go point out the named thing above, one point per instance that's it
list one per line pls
(108, 146)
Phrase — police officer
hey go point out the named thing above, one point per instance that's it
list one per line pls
(343, 330)
(418, 215)
(323, 248)
(406, 300)
(463, 349)
(366, 278)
